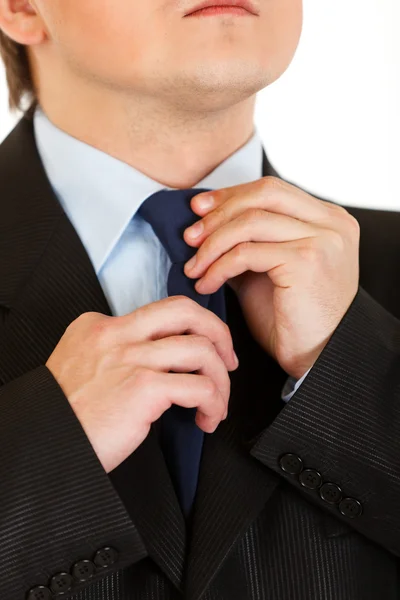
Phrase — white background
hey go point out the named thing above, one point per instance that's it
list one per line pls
(331, 123)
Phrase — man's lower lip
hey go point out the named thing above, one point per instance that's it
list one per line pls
(219, 10)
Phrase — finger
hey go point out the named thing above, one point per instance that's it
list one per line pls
(261, 257)
(268, 193)
(253, 225)
(184, 353)
(189, 391)
(175, 315)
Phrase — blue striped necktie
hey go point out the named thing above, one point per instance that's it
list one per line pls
(169, 214)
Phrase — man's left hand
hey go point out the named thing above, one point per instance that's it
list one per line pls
(291, 259)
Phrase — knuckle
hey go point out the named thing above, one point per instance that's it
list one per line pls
(179, 342)
(210, 388)
(203, 343)
(225, 329)
(341, 209)
(191, 316)
(350, 221)
(354, 225)
(184, 305)
(308, 252)
(240, 251)
(100, 327)
(86, 318)
(88, 315)
(220, 213)
(178, 299)
(270, 182)
(337, 241)
(205, 247)
(332, 205)
(187, 304)
(252, 215)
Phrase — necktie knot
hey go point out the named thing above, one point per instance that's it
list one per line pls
(169, 214)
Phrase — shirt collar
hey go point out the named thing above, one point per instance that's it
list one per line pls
(100, 194)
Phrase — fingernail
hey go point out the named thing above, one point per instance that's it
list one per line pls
(205, 202)
(190, 264)
(195, 230)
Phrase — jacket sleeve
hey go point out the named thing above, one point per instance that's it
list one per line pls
(338, 439)
(58, 505)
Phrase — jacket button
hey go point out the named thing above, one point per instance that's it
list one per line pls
(39, 592)
(350, 507)
(331, 493)
(291, 463)
(310, 479)
(61, 583)
(105, 557)
(83, 570)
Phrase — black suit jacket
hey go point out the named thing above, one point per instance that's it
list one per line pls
(264, 528)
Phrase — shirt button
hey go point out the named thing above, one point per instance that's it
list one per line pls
(310, 479)
(330, 493)
(350, 507)
(83, 570)
(291, 463)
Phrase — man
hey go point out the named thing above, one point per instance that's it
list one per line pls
(142, 113)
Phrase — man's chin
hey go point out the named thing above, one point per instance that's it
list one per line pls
(226, 87)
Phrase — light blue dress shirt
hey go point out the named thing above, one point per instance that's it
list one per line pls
(101, 195)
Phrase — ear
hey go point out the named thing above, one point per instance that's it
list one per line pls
(20, 20)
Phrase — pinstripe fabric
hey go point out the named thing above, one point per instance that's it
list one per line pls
(257, 533)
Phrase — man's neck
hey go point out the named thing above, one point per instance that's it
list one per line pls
(176, 149)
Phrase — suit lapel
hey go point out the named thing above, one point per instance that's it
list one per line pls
(45, 284)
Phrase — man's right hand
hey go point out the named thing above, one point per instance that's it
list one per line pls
(115, 371)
